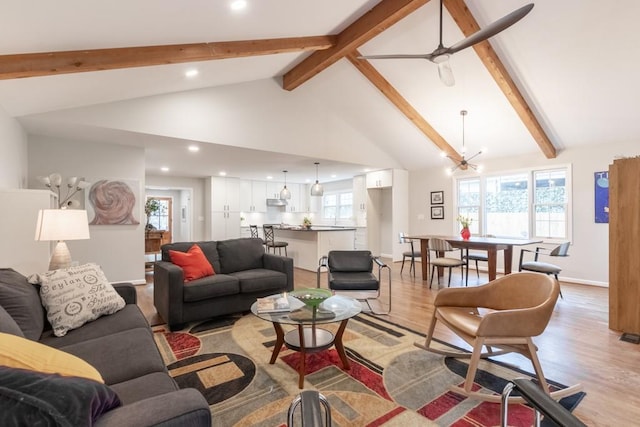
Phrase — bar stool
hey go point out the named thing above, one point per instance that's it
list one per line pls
(270, 242)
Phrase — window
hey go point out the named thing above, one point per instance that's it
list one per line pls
(529, 204)
(160, 219)
(337, 206)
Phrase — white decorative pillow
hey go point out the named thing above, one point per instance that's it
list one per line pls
(76, 295)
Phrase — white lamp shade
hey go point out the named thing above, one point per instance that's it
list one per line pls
(62, 224)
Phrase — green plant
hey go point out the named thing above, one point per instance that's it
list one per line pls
(306, 221)
(464, 221)
(151, 207)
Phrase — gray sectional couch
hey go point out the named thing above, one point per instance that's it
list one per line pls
(243, 272)
(120, 346)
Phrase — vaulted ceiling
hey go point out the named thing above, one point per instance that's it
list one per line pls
(562, 77)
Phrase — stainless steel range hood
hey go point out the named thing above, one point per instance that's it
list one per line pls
(276, 202)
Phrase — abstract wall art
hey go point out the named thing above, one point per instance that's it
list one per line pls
(602, 196)
(113, 202)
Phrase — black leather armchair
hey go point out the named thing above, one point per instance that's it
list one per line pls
(352, 271)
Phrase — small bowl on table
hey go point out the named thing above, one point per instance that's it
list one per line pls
(311, 297)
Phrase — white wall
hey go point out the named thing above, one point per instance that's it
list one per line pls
(119, 249)
(13, 161)
(589, 253)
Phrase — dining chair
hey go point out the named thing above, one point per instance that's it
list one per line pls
(271, 243)
(441, 247)
(411, 254)
(544, 267)
(476, 257)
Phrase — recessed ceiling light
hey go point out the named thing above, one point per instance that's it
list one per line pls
(191, 73)
(222, 173)
(334, 175)
(238, 5)
(164, 169)
(194, 148)
(269, 177)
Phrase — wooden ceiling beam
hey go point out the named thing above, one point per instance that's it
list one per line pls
(402, 104)
(467, 23)
(54, 63)
(379, 18)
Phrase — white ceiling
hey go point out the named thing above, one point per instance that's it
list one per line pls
(576, 62)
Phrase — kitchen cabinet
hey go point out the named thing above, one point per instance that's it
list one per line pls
(18, 226)
(293, 204)
(225, 194)
(380, 179)
(225, 225)
(253, 196)
(360, 242)
(624, 246)
(224, 214)
(273, 189)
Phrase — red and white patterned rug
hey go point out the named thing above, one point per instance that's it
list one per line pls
(391, 382)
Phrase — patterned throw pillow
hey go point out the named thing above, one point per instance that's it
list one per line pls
(76, 295)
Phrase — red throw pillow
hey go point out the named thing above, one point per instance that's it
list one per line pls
(193, 262)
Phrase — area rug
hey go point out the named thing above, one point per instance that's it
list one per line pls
(390, 383)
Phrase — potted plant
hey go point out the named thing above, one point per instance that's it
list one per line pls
(151, 207)
(465, 222)
(306, 223)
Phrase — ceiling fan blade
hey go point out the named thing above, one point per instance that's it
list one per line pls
(491, 30)
(398, 56)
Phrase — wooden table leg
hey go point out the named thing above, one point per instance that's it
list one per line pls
(492, 260)
(424, 258)
(279, 342)
(338, 344)
(508, 258)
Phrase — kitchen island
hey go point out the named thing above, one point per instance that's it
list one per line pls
(306, 246)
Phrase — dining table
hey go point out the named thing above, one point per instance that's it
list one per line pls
(490, 244)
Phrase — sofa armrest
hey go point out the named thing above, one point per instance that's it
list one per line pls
(127, 291)
(179, 408)
(168, 290)
(281, 264)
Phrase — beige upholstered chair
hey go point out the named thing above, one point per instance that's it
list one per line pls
(441, 247)
(540, 266)
(411, 254)
(501, 316)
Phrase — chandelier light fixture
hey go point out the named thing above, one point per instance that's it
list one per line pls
(316, 189)
(285, 194)
(464, 163)
(54, 182)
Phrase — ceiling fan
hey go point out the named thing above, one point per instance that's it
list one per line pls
(440, 55)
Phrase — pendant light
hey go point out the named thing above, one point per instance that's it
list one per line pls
(316, 189)
(464, 163)
(285, 194)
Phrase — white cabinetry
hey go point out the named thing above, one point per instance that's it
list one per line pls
(225, 208)
(18, 218)
(387, 213)
(360, 200)
(293, 204)
(253, 196)
(360, 242)
(380, 179)
(273, 189)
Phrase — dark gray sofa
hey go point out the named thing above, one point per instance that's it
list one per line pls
(120, 346)
(243, 272)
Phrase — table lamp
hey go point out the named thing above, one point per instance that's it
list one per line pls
(61, 225)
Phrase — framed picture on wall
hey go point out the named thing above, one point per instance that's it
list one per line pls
(437, 212)
(437, 198)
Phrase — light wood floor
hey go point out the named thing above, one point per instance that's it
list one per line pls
(577, 346)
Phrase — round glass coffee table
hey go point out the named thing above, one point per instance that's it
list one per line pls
(308, 337)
